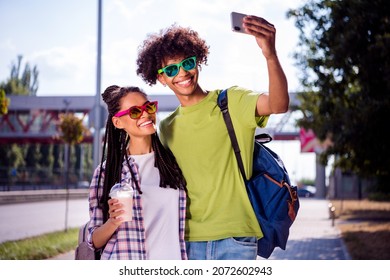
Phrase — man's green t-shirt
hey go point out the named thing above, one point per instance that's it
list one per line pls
(218, 206)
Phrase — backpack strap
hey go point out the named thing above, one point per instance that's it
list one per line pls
(223, 105)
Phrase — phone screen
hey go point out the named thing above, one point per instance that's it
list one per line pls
(236, 21)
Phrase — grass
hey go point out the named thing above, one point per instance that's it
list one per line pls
(365, 228)
(40, 247)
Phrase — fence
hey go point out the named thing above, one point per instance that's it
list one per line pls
(42, 178)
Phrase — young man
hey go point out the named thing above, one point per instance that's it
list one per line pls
(220, 221)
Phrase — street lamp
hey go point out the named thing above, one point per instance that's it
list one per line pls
(97, 107)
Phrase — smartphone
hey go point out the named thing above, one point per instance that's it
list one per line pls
(236, 20)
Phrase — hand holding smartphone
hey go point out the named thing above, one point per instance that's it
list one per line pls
(237, 22)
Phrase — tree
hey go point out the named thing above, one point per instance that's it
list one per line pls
(72, 128)
(344, 54)
(46, 161)
(21, 83)
(11, 158)
(4, 102)
(33, 156)
(24, 83)
(57, 163)
(72, 132)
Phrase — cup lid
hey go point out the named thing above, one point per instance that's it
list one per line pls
(121, 190)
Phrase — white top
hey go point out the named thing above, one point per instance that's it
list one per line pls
(161, 212)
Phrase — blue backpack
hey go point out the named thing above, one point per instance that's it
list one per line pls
(274, 201)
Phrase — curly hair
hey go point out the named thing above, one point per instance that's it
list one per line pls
(169, 43)
(116, 141)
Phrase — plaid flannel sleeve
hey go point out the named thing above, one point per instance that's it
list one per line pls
(95, 213)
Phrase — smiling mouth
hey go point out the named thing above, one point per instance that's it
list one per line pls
(185, 82)
(145, 123)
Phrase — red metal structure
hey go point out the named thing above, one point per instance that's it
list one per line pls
(33, 119)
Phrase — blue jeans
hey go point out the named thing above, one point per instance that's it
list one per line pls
(233, 248)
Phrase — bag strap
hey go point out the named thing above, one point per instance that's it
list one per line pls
(223, 105)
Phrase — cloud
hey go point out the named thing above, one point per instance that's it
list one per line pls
(66, 54)
(66, 70)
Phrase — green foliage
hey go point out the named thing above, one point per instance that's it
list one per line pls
(4, 102)
(15, 156)
(40, 247)
(43, 164)
(21, 83)
(344, 54)
(57, 164)
(379, 196)
(307, 182)
(33, 156)
(11, 158)
(47, 159)
(72, 128)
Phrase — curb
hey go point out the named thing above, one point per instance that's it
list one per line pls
(10, 197)
(343, 246)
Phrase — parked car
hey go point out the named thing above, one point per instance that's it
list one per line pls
(306, 191)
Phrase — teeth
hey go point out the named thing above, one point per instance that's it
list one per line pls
(145, 123)
(184, 82)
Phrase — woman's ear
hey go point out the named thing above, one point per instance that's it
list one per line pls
(117, 122)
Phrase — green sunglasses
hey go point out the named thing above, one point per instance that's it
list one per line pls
(173, 69)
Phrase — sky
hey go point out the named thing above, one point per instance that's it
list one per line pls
(60, 38)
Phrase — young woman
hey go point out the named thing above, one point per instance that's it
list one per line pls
(136, 157)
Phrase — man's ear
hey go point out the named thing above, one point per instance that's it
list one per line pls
(161, 79)
(117, 122)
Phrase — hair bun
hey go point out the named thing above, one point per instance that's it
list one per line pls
(107, 95)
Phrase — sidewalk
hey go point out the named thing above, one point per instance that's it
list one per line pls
(312, 236)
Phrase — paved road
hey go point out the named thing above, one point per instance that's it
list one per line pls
(21, 220)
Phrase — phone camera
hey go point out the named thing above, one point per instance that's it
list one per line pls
(237, 28)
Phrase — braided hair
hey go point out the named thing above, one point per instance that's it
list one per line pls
(116, 141)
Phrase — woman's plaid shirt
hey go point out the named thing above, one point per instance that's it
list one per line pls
(128, 241)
